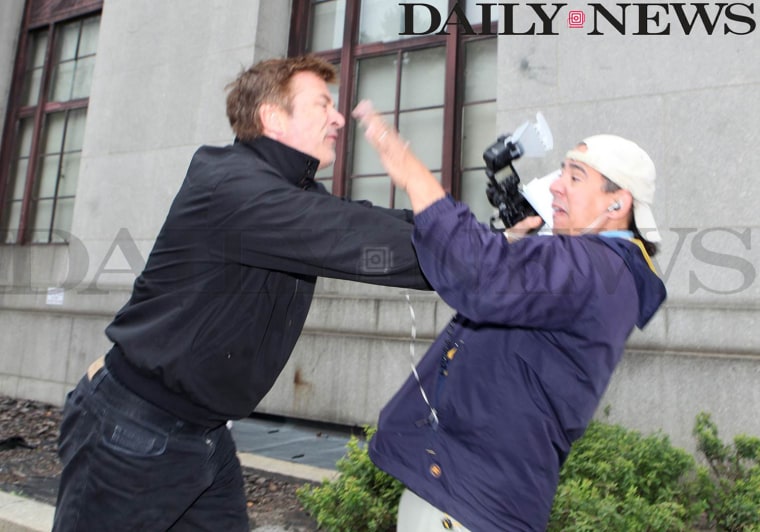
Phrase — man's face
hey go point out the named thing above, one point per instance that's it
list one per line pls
(580, 202)
(312, 126)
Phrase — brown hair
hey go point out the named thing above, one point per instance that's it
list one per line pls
(268, 82)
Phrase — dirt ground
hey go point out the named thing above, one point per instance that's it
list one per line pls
(29, 467)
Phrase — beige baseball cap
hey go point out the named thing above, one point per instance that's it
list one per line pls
(628, 166)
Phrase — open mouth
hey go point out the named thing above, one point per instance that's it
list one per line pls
(558, 209)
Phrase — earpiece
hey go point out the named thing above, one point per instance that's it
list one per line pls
(614, 206)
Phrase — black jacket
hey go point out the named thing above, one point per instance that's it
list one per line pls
(223, 298)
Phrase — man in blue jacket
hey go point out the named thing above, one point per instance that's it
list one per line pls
(541, 324)
(216, 313)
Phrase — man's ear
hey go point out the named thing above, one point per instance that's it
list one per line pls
(624, 199)
(272, 119)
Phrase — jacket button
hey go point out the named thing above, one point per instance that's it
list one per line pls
(435, 470)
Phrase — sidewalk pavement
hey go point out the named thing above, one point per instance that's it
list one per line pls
(286, 448)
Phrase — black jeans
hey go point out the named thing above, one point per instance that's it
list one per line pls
(130, 466)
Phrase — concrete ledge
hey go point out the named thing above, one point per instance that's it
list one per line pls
(20, 514)
(285, 468)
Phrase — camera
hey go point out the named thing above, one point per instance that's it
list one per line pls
(531, 140)
(505, 194)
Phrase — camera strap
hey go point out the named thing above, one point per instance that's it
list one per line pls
(433, 417)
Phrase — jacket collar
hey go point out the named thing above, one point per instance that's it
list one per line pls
(294, 166)
(650, 288)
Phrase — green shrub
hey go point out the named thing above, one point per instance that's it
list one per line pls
(580, 506)
(733, 482)
(614, 479)
(362, 498)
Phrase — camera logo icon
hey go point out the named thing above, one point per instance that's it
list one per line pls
(576, 19)
(376, 259)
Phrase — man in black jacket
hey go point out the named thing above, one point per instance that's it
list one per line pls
(216, 313)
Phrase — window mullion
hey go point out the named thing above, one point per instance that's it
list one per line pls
(39, 117)
(299, 24)
(452, 112)
(397, 111)
(10, 135)
(59, 167)
(345, 97)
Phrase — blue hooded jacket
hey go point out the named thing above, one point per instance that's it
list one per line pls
(517, 375)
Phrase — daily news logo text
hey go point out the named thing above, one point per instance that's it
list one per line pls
(737, 18)
(724, 269)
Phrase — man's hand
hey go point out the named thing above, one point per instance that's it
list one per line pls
(404, 168)
(522, 228)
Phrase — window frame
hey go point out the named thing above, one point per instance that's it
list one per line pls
(39, 15)
(352, 51)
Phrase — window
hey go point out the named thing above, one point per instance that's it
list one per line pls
(438, 90)
(44, 130)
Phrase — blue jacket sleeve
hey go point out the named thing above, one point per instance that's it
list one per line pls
(541, 281)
